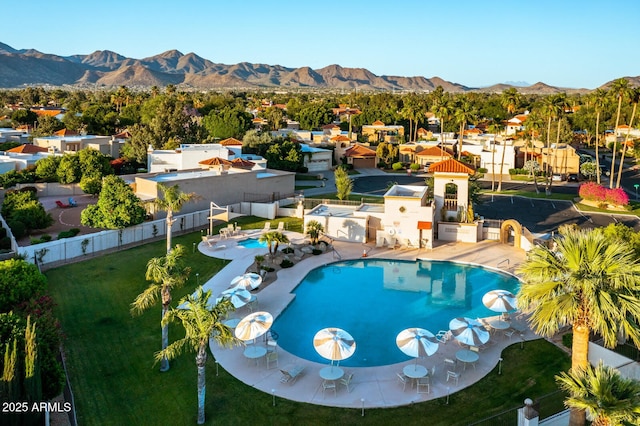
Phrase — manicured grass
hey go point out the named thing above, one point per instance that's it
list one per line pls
(634, 212)
(115, 382)
(352, 197)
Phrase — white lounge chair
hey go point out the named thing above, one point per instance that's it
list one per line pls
(209, 240)
(280, 227)
(267, 227)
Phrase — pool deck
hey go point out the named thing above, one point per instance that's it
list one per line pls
(371, 386)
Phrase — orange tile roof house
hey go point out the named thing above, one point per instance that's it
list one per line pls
(360, 157)
(431, 155)
(380, 132)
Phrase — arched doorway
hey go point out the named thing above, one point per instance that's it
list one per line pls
(505, 231)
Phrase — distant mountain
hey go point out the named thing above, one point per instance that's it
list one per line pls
(109, 69)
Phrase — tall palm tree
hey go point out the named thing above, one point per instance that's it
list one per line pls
(619, 89)
(165, 273)
(443, 110)
(464, 114)
(635, 96)
(589, 282)
(599, 99)
(273, 239)
(496, 129)
(200, 323)
(551, 108)
(172, 201)
(608, 398)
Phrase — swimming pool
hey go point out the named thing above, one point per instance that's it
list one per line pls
(252, 243)
(375, 299)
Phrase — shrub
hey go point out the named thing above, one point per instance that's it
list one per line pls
(286, 263)
(482, 170)
(415, 167)
(17, 228)
(19, 282)
(396, 166)
(68, 234)
(382, 164)
(591, 191)
(287, 250)
(316, 251)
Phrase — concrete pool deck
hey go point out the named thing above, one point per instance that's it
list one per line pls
(371, 386)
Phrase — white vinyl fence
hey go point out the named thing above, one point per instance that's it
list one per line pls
(66, 249)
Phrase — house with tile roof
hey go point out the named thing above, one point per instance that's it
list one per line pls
(190, 156)
(360, 156)
(380, 132)
(21, 157)
(432, 154)
(70, 142)
(515, 124)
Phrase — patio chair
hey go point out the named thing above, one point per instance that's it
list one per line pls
(280, 227)
(443, 336)
(329, 384)
(208, 240)
(509, 332)
(402, 379)
(453, 375)
(61, 204)
(347, 382)
(253, 303)
(72, 202)
(423, 385)
(267, 227)
(272, 357)
(451, 364)
(291, 375)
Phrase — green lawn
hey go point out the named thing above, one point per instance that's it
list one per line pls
(115, 382)
(533, 194)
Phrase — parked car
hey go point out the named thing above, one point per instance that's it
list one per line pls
(574, 177)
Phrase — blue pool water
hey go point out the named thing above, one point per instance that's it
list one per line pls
(375, 299)
(252, 243)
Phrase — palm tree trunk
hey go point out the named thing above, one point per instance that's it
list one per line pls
(493, 166)
(462, 125)
(624, 147)
(164, 363)
(504, 148)
(615, 143)
(547, 165)
(597, 143)
(169, 225)
(579, 360)
(201, 359)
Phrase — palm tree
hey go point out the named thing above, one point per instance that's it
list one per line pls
(619, 89)
(608, 398)
(495, 128)
(590, 282)
(551, 107)
(314, 229)
(510, 99)
(464, 114)
(635, 96)
(171, 201)
(200, 323)
(442, 108)
(165, 273)
(599, 98)
(273, 239)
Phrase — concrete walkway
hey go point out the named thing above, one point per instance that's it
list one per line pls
(372, 386)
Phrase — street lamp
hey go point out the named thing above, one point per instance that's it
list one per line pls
(636, 187)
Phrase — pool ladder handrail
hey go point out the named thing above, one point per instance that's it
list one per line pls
(336, 254)
(502, 261)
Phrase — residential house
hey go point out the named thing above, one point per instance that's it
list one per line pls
(380, 132)
(70, 142)
(516, 124)
(431, 155)
(360, 156)
(14, 135)
(316, 159)
(189, 156)
(21, 157)
(491, 155)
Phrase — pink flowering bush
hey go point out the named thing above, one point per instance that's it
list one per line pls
(617, 197)
(591, 191)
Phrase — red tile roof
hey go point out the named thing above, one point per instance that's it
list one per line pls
(359, 151)
(125, 134)
(377, 123)
(47, 112)
(451, 166)
(230, 142)
(434, 151)
(28, 149)
(242, 164)
(340, 138)
(215, 161)
(65, 132)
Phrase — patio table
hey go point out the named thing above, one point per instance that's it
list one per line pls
(467, 357)
(331, 373)
(255, 352)
(499, 324)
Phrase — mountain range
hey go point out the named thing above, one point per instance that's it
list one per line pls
(104, 68)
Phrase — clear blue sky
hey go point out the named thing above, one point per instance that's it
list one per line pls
(476, 43)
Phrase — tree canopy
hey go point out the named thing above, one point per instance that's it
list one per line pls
(117, 207)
